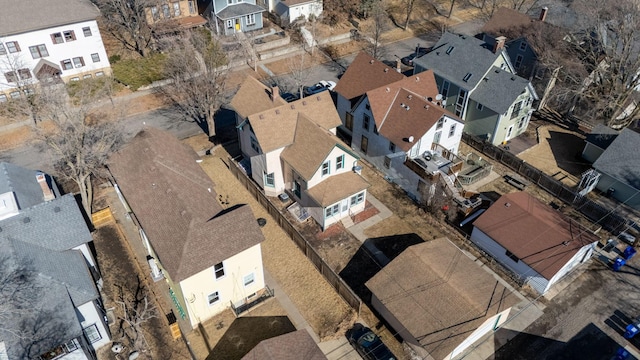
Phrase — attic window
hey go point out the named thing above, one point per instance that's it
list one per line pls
(449, 50)
(467, 77)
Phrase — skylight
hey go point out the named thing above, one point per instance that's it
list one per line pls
(467, 77)
(449, 50)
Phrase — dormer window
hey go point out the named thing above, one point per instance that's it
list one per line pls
(325, 168)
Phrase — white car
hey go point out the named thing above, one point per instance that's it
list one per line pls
(319, 87)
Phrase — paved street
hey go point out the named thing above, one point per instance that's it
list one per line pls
(586, 320)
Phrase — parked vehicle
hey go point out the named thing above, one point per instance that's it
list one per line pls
(289, 97)
(628, 238)
(368, 344)
(408, 60)
(319, 87)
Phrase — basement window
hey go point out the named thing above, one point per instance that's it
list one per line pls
(512, 256)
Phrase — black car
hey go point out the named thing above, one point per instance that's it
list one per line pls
(408, 60)
(368, 344)
(289, 97)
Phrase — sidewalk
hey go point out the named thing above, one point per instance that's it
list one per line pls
(358, 229)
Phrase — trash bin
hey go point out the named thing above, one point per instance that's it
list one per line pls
(629, 252)
(630, 331)
(618, 264)
(622, 354)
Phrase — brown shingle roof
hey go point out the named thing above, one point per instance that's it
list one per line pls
(337, 187)
(174, 201)
(275, 128)
(310, 148)
(533, 232)
(505, 18)
(439, 294)
(292, 346)
(254, 97)
(364, 74)
(394, 121)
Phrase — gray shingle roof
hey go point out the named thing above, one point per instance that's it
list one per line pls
(498, 89)
(292, 346)
(602, 136)
(22, 182)
(454, 56)
(23, 16)
(55, 225)
(620, 159)
(175, 202)
(236, 10)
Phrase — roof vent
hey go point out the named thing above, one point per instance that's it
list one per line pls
(387, 89)
(565, 243)
(293, 106)
(386, 69)
(304, 102)
(56, 209)
(417, 78)
(26, 220)
(410, 139)
(449, 50)
(407, 108)
(513, 78)
(429, 98)
(402, 105)
(261, 116)
(278, 111)
(426, 106)
(409, 96)
(371, 61)
(507, 204)
(318, 98)
(467, 77)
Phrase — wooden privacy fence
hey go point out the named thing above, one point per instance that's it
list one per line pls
(603, 216)
(332, 278)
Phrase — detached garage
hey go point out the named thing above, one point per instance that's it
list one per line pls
(439, 300)
(534, 241)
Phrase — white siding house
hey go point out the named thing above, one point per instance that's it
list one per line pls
(538, 244)
(49, 41)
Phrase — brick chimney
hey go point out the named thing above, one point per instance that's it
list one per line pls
(44, 185)
(543, 13)
(275, 92)
(499, 45)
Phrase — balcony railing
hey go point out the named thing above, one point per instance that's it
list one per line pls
(246, 304)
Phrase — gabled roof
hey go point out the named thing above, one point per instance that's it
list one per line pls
(620, 160)
(455, 56)
(23, 16)
(438, 294)
(310, 147)
(254, 97)
(505, 19)
(241, 9)
(175, 202)
(602, 136)
(55, 225)
(407, 108)
(539, 236)
(499, 89)
(275, 128)
(292, 346)
(22, 182)
(364, 74)
(337, 187)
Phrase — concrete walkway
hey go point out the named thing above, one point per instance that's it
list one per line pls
(358, 229)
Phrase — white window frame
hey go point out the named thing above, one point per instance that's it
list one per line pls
(249, 279)
(217, 270)
(86, 31)
(92, 333)
(332, 210)
(95, 57)
(251, 19)
(325, 169)
(215, 296)
(340, 162)
(269, 179)
(356, 199)
(479, 106)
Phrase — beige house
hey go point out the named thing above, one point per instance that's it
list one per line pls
(439, 300)
(209, 256)
(292, 148)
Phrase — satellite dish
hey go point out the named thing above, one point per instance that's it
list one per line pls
(410, 139)
(439, 97)
(444, 103)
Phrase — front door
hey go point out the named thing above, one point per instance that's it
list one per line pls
(345, 207)
(237, 24)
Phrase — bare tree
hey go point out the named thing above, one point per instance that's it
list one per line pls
(19, 76)
(126, 20)
(379, 24)
(196, 70)
(136, 310)
(78, 141)
(300, 71)
(407, 7)
(609, 48)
